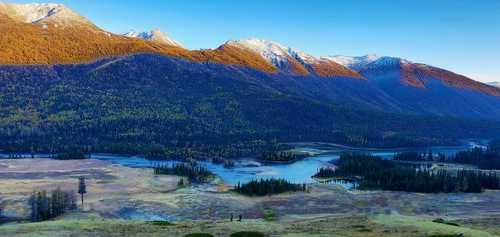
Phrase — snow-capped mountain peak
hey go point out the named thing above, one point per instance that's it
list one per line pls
(131, 34)
(154, 35)
(371, 60)
(273, 52)
(354, 63)
(389, 61)
(42, 13)
(291, 60)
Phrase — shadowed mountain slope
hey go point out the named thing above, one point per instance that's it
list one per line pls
(144, 99)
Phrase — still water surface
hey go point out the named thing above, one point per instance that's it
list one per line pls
(247, 169)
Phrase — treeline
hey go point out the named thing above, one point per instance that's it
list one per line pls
(494, 145)
(197, 151)
(325, 173)
(223, 161)
(271, 186)
(419, 156)
(483, 159)
(281, 156)
(45, 207)
(195, 173)
(375, 173)
(487, 159)
(428, 181)
(72, 155)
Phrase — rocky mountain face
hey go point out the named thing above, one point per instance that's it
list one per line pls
(56, 15)
(155, 35)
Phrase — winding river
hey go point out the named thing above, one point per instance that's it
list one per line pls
(247, 169)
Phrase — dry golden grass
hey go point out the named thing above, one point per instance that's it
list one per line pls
(330, 69)
(49, 43)
(412, 74)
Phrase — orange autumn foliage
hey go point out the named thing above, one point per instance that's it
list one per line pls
(25, 43)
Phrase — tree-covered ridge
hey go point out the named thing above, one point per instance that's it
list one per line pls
(126, 104)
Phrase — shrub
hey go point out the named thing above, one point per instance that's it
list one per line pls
(199, 235)
(248, 234)
(160, 223)
(442, 221)
(269, 215)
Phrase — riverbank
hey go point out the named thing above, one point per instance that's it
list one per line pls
(321, 147)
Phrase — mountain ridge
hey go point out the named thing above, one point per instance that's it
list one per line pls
(57, 15)
(154, 35)
(31, 40)
(37, 42)
(412, 73)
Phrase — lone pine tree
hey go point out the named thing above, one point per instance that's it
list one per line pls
(82, 188)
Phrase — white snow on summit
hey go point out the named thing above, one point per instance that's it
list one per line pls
(370, 60)
(273, 52)
(154, 35)
(42, 12)
(354, 63)
(132, 34)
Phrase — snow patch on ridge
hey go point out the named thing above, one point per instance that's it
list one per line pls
(40, 12)
(155, 35)
(358, 63)
(495, 84)
(273, 52)
(354, 63)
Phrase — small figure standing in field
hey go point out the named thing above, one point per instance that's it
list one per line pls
(240, 217)
(232, 217)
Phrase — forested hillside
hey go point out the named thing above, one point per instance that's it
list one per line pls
(151, 99)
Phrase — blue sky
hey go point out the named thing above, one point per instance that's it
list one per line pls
(462, 36)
